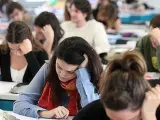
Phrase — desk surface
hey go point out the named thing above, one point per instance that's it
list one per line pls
(8, 96)
(4, 91)
(28, 118)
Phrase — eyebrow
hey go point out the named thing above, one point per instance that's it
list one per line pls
(67, 70)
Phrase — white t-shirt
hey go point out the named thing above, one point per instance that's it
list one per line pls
(93, 32)
(17, 75)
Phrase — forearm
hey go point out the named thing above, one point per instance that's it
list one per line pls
(85, 88)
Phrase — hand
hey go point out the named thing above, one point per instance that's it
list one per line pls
(155, 35)
(85, 62)
(59, 112)
(151, 103)
(26, 46)
(49, 34)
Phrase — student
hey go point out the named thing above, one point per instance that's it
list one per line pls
(20, 57)
(134, 6)
(102, 3)
(149, 46)
(48, 31)
(84, 26)
(67, 16)
(65, 84)
(108, 15)
(125, 94)
(16, 12)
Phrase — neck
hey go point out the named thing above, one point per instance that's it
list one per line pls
(81, 24)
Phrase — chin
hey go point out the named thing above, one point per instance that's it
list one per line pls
(63, 80)
(73, 20)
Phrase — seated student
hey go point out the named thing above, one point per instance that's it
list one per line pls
(16, 12)
(102, 3)
(149, 46)
(65, 85)
(134, 6)
(67, 16)
(83, 26)
(108, 15)
(125, 94)
(20, 57)
(48, 31)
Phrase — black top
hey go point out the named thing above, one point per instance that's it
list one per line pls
(34, 59)
(95, 111)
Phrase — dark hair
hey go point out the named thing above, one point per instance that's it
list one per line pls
(123, 85)
(131, 1)
(71, 50)
(2, 3)
(84, 6)
(155, 22)
(12, 6)
(18, 31)
(67, 15)
(47, 18)
(110, 13)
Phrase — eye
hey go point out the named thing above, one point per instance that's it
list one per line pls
(70, 72)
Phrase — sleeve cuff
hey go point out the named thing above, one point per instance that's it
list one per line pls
(36, 109)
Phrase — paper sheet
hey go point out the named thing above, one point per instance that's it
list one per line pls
(20, 117)
(5, 87)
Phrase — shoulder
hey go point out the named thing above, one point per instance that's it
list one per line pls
(145, 40)
(93, 111)
(41, 53)
(66, 24)
(94, 23)
(95, 26)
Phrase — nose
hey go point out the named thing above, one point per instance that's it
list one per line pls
(62, 74)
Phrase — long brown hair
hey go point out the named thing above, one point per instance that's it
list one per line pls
(123, 85)
(110, 13)
(71, 50)
(67, 15)
(18, 31)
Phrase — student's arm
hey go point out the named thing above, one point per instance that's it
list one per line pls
(26, 104)
(101, 43)
(85, 87)
(35, 62)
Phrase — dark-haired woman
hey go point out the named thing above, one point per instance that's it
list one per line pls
(65, 84)
(125, 94)
(48, 31)
(20, 57)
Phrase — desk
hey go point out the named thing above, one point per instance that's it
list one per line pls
(28, 118)
(137, 17)
(6, 98)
